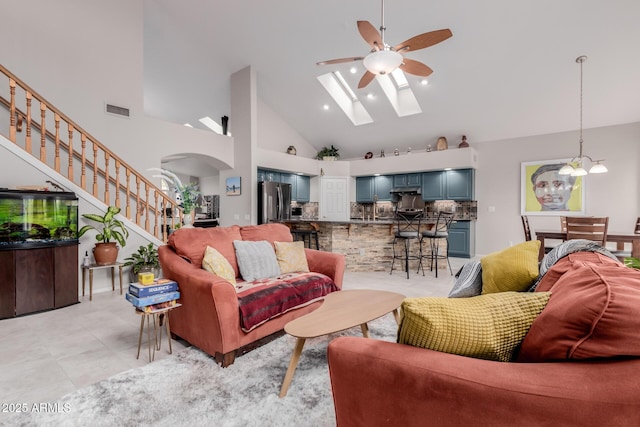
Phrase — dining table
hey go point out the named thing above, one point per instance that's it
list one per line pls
(619, 238)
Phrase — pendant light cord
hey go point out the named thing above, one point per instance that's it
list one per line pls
(581, 60)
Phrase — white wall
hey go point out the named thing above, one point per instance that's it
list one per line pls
(79, 63)
(275, 134)
(613, 194)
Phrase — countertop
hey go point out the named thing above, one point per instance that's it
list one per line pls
(381, 221)
(346, 221)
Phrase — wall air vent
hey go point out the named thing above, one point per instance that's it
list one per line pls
(118, 111)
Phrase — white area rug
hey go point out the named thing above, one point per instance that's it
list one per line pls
(190, 389)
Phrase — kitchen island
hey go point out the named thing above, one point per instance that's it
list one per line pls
(366, 244)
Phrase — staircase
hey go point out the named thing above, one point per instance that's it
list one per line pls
(62, 145)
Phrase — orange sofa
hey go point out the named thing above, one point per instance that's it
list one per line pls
(577, 366)
(210, 317)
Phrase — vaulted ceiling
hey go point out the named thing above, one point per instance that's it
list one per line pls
(508, 71)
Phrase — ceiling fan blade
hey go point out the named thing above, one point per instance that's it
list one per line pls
(424, 40)
(370, 34)
(366, 79)
(414, 67)
(341, 60)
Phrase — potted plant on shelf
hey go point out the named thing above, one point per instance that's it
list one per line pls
(142, 261)
(105, 251)
(328, 153)
(188, 195)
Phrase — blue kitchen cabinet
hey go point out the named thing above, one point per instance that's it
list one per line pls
(433, 184)
(460, 184)
(448, 185)
(462, 239)
(407, 180)
(369, 186)
(290, 178)
(300, 186)
(382, 185)
(303, 188)
(364, 189)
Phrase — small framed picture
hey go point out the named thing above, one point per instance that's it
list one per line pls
(545, 192)
(234, 186)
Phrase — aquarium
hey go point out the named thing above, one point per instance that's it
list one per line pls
(37, 219)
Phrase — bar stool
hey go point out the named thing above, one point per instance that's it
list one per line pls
(407, 229)
(307, 235)
(439, 231)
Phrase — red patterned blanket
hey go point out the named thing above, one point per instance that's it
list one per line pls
(265, 299)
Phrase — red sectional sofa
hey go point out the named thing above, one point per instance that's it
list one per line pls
(210, 314)
(579, 364)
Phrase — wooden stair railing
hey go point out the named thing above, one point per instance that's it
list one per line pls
(90, 167)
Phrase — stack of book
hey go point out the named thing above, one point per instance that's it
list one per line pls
(162, 293)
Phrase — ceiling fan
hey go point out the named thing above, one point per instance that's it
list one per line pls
(383, 58)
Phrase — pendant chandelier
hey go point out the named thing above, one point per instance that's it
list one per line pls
(596, 165)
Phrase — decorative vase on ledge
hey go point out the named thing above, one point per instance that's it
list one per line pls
(188, 220)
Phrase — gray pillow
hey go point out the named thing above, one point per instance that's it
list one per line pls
(469, 281)
(256, 260)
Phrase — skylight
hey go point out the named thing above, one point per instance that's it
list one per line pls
(211, 124)
(399, 79)
(346, 99)
(345, 86)
(402, 100)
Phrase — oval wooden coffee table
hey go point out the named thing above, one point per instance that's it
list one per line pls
(340, 310)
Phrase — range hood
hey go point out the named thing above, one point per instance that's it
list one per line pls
(405, 190)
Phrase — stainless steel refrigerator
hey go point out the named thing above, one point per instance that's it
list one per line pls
(274, 201)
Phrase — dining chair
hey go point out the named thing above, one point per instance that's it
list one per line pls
(528, 234)
(563, 224)
(525, 226)
(620, 252)
(588, 228)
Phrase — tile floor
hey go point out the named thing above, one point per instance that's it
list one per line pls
(47, 355)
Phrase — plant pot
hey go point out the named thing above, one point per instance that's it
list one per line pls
(328, 158)
(105, 253)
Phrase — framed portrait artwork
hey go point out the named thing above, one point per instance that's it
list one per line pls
(234, 186)
(544, 191)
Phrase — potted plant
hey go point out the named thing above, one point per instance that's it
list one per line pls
(328, 153)
(105, 251)
(188, 195)
(144, 260)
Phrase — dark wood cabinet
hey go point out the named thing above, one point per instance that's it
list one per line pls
(34, 280)
(65, 276)
(38, 279)
(7, 284)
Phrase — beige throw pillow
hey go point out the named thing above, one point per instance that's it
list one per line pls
(291, 257)
(217, 264)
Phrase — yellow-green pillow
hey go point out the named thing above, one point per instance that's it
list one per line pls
(291, 257)
(512, 269)
(485, 326)
(214, 262)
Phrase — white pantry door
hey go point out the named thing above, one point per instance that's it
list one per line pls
(334, 198)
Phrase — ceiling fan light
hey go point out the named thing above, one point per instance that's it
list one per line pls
(566, 170)
(598, 168)
(579, 171)
(382, 61)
